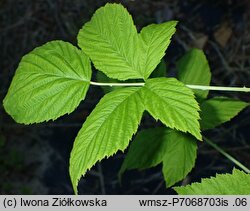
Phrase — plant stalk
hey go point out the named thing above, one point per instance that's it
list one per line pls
(219, 88)
(115, 84)
(236, 162)
(200, 87)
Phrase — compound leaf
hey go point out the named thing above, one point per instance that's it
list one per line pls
(107, 129)
(179, 158)
(146, 150)
(155, 40)
(110, 40)
(49, 82)
(173, 104)
(193, 68)
(237, 183)
(218, 110)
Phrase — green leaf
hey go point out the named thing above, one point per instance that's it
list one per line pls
(146, 150)
(175, 149)
(110, 40)
(115, 47)
(107, 129)
(237, 183)
(218, 110)
(173, 104)
(180, 155)
(156, 38)
(49, 82)
(193, 68)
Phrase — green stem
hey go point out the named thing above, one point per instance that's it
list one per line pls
(219, 88)
(236, 162)
(115, 84)
(200, 87)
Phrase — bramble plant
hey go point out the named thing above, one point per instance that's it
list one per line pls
(53, 79)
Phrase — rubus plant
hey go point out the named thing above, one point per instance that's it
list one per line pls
(53, 79)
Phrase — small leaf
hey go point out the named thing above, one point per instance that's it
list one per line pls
(175, 149)
(173, 104)
(146, 150)
(193, 68)
(49, 82)
(107, 129)
(180, 155)
(237, 183)
(156, 38)
(218, 110)
(115, 47)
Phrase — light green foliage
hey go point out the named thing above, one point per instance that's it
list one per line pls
(52, 80)
(218, 110)
(115, 47)
(237, 183)
(173, 104)
(193, 68)
(112, 123)
(49, 82)
(175, 149)
(107, 129)
(110, 40)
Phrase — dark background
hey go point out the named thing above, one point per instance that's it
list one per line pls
(34, 159)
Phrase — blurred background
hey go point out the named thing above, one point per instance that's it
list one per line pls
(34, 159)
